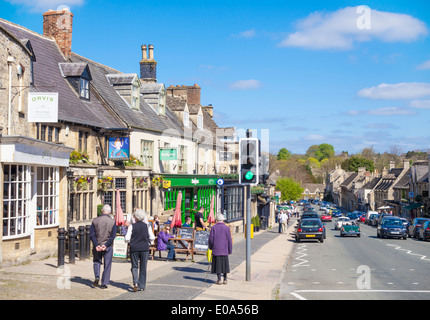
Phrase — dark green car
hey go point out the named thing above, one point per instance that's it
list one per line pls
(350, 230)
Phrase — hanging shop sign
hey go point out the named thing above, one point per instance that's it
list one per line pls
(43, 107)
(119, 148)
(168, 154)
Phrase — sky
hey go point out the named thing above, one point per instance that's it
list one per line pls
(349, 73)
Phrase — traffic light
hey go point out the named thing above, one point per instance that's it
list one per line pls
(248, 161)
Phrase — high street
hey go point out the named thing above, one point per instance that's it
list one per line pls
(357, 268)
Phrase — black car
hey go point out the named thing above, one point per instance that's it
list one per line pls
(309, 215)
(310, 229)
(415, 227)
(424, 232)
(391, 227)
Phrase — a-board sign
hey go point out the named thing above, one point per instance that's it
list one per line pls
(185, 233)
(201, 240)
(120, 247)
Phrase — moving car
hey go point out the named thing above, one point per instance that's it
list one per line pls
(339, 222)
(309, 215)
(310, 229)
(391, 227)
(415, 227)
(325, 217)
(424, 232)
(336, 213)
(353, 216)
(350, 229)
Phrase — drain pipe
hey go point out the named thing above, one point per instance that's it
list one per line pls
(10, 61)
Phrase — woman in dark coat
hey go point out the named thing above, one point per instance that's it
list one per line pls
(221, 245)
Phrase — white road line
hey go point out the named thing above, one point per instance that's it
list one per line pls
(361, 291)
(422, 257)
(297, 296)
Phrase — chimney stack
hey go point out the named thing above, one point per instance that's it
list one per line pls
(193, 94)
(148, 66)
(58, 24)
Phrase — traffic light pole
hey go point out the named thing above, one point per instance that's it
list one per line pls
(248, 233)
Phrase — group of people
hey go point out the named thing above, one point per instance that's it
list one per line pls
(140, 236)
(283, 218)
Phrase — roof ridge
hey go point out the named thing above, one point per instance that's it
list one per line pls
(27, 30)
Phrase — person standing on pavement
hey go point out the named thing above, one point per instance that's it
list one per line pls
(198, 220)
(102, 234)
(222, 246)
(139, 237)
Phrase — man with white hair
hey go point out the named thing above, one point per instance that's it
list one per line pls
(102, 234)
(139, 237)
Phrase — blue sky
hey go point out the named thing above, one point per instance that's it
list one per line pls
(309, 71)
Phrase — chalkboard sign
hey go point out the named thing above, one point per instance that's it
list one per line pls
(201, 240)
(185, 233)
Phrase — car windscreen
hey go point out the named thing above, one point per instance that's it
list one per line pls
(310, 223)
(392, 222)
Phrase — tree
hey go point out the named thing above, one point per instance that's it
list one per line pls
(290, 189)
(284, 154)
(355, 162)
(324, 151)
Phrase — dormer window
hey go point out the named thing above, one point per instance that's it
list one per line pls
(84, 89)
(186, 119)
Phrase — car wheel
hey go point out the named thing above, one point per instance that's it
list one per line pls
(321, 240)
(359, 235)
(297, 239)
(405, 237)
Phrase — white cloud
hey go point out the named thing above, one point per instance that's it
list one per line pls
(385, 111)
(248, 34)
(398, 91)
(420, 104)
(314, 137)
(246, 85)
(45, 5)
(343, 28)
(424, 66)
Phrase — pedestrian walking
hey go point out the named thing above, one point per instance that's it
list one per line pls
(139, 237)
(102, 234)
(221, 245)
(284, 221)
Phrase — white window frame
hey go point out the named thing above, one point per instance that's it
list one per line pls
(200, 121)
(48, 195)
(84, 88)
(147, 153)
(186, 119)
(12, 184)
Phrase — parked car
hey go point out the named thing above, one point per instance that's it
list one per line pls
(310, 229)
(370, 218)
(339, 222)
(415, 227)
(424, 232)
(350, 229)
(391, 227)
(353, 216)
(309, 215)
(382, 216)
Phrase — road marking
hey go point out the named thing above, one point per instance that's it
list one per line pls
(297, 296)
(423, 257)
(361, 291)
(301, 251)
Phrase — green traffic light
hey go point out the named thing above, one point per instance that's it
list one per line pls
(249, 175)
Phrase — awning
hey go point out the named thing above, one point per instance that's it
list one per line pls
(24, 150)
(413, 206)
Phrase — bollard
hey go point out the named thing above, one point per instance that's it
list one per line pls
(87, 241)
(82, 243)
(61, 241)
(72, 242)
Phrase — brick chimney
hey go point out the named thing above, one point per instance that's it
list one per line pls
(148, 66)
(193, 94)
(58, 24)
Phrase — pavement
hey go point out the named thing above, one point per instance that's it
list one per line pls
(41, 279)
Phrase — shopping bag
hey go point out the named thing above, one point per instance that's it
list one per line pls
(209, 255)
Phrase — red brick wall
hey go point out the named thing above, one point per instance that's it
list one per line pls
(59, 25)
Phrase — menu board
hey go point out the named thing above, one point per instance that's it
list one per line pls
(185, 233)
(201, 240)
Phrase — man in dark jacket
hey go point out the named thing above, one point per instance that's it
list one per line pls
(139, 238)
(102, 234)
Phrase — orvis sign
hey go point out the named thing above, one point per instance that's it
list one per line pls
(43, 107)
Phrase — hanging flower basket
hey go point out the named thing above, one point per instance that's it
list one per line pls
(104, 183)
(157, 181)
(81, 183)
(141, 182)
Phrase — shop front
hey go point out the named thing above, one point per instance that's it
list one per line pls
(33, 193)
(197, 191)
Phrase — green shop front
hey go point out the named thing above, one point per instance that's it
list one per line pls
(197, 191)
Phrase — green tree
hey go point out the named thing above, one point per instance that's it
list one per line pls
(284, 154)
(355, 162)
(324, 151)
(290, 189)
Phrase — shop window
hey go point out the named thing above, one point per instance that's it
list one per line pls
(233, 203)
(16, 199)
(47, 196)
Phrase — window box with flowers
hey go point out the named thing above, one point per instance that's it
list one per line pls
(133, 161)
(78, 157)
(81, 183)
(104, 183)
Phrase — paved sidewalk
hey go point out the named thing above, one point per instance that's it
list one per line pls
(42, 280)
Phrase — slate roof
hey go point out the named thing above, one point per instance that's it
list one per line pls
(146, 118)
(349, 180)
(388, 180)
(372, 183)
(48, 78)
